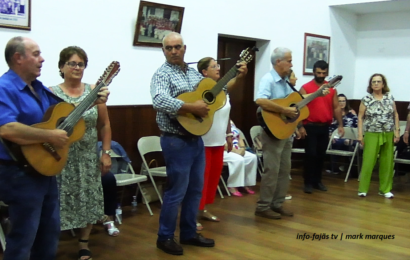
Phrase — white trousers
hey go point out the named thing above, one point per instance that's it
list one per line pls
(242, 170)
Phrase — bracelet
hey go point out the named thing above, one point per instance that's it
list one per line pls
(230, 134)
(406, 131)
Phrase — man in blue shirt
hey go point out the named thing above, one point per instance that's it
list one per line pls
(32, 198)
(276, 152)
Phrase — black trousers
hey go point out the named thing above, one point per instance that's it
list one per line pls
(316, 143)
(109, 184)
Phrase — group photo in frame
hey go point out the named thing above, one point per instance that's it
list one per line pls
(155, 21)
(15, 14)
(316, 47)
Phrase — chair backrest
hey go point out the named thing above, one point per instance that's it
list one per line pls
(243, 137)
(119, 164)
(255, 135)
(350, 133)
(148, 144)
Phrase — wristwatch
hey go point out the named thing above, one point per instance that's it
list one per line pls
(107, 152)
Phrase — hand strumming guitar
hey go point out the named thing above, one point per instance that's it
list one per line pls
(58, 138)
(200, 108)
(290, 112)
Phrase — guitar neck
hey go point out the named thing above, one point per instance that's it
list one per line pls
(307, 100)
(78, 112)
(225, 79)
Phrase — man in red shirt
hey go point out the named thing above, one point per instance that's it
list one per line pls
(316, 127)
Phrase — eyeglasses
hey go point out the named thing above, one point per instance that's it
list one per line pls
(374, 82)
(169, 48)
(342, 101)
(216, 66)
(73, 65)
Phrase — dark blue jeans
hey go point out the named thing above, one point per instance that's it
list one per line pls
(109, 184)
(34, 214)
(185, 162)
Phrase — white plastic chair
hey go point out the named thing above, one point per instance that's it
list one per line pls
(146, 145)
(351, 134)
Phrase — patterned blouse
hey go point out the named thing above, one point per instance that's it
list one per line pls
(379, 115)
(349, 120)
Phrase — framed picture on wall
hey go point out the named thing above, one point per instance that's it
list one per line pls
(155, 21)
(317, 47)
(15, 14)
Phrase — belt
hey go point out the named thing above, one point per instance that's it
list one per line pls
(317, 124)
(187, 137)
(8, 162)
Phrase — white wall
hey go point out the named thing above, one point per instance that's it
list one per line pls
(383, 46)
(105, 29)
(343, 49)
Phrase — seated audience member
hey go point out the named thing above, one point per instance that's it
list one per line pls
(349, 120)
(242, 165)
(109, 184)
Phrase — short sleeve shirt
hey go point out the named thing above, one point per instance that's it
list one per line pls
(272, 86)
(19, 104)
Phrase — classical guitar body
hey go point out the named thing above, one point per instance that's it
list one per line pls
(201, 125)
(278, 125)
(47, 160)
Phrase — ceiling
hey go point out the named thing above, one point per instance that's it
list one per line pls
(376, 7)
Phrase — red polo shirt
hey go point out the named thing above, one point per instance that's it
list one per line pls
(321, 108)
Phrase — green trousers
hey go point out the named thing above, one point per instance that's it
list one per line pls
(375, 143)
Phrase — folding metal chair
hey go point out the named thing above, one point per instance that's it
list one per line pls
(351, 134)
(146, 145)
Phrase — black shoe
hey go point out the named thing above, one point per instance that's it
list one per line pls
(199, 240)
(308, 188)
(170, 246)
(320, 186)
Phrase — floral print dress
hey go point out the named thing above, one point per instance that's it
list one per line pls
(81, 194)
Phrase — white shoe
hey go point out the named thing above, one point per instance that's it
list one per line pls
(362, 194)
(388, 195)
(288, 197)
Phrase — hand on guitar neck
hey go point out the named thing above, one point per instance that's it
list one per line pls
(102, 96)
(198, 108)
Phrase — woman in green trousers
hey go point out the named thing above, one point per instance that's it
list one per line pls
(379, 121)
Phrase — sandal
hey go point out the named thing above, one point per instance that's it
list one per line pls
(208, 216)
(103, 219)
(84, 252)
(111, 228)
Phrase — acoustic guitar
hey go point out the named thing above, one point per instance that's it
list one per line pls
(43, 157)
(211, 93)
(282, 127)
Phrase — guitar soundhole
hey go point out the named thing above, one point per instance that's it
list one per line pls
(208, 97)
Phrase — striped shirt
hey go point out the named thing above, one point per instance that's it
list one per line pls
(168, 82)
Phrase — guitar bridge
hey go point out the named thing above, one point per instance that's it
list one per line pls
(49, 148)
